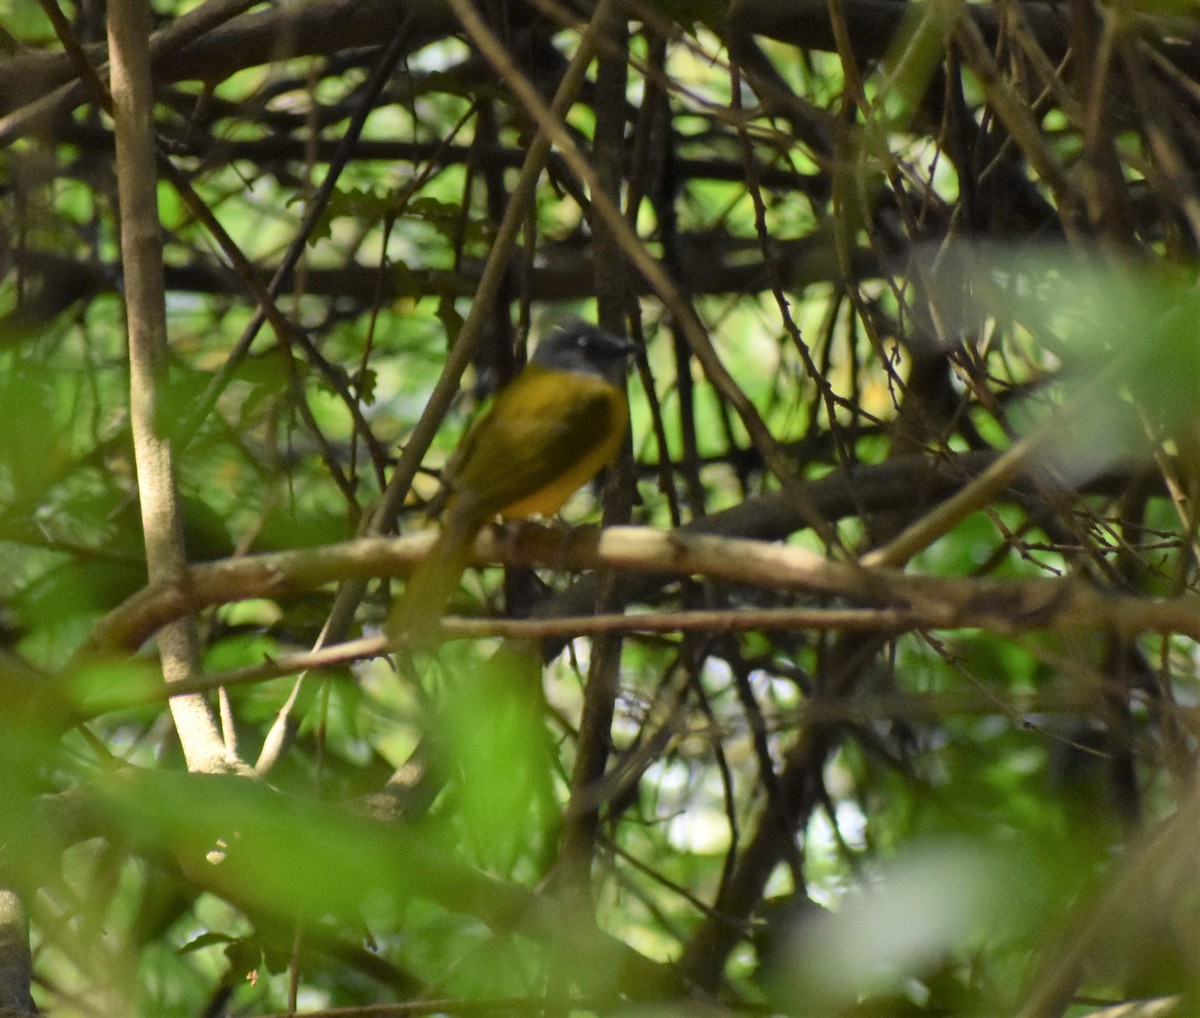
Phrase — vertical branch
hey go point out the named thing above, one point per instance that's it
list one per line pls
(583, 815)
(141, 250)
(16, 962)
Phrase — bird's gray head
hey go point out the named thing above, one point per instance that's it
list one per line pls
(586, 349)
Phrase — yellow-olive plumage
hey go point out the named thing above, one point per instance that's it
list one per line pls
(552, 429)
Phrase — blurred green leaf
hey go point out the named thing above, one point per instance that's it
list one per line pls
(495, 743)
(930, 903)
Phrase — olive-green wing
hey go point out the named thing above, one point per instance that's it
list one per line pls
(543, 437)
(546, 427)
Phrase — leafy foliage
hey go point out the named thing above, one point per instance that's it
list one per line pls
(945, 259)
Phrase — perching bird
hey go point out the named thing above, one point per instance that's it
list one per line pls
(549, 431)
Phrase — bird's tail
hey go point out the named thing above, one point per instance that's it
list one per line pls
(415, 616)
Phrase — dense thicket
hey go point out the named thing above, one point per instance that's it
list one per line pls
(886, 705)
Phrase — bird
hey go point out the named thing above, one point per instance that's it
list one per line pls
(556, 425)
